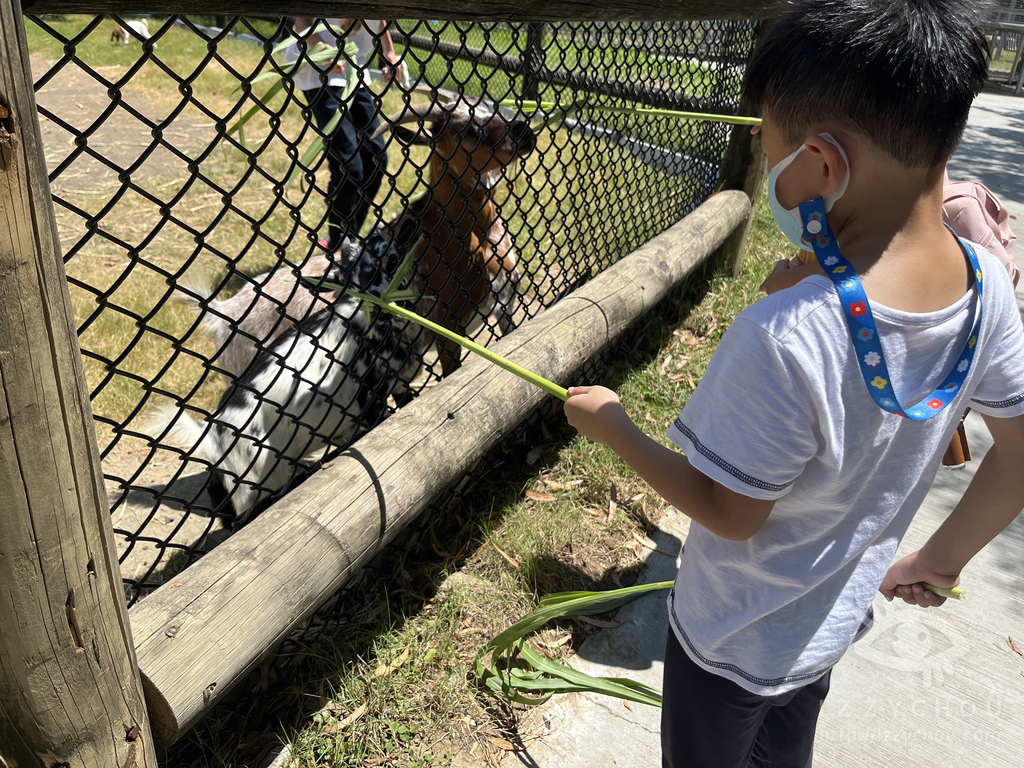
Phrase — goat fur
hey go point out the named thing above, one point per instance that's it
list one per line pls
(263, 309)
(323, 382)
(122, 34)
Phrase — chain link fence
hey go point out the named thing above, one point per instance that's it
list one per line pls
(209, 172)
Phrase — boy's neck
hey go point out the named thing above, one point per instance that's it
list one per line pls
(889, 227)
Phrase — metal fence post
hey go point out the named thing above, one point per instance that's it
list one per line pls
(70, 692)
(533, 61)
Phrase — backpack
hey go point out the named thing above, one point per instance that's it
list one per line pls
(975, 214)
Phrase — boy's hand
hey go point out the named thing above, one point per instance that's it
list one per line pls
(906, 579)
(789, 273)
(596, 413)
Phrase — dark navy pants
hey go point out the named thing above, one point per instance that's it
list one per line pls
(357, 164)
(708, 721)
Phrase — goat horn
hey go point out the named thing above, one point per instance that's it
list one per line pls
(425, 112)
(448, 98)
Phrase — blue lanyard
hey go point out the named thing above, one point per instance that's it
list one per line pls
(864, 332)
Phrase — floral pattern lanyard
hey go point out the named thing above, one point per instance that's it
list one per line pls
(864, 332)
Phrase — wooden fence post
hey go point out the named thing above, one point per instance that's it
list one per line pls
(70, 692)
(744, 167)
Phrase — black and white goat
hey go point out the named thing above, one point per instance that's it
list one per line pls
(323, 382)
(270, 303)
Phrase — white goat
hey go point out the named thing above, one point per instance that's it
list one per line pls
(322, 382)
(139, 26)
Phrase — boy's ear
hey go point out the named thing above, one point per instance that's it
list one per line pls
(833, 167)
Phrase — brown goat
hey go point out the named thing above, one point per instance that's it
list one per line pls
(466, 263)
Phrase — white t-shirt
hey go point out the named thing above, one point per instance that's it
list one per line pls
(784, 413)
(308, 77)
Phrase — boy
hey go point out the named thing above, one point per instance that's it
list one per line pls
(802, 468)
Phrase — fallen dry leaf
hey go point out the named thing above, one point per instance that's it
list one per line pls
(651, 545)
(500, 743)
(556, 642)
(502, 552)
(538, 496)
(1013, 647)
(613, 502)
(343, 724)
(687, 338)
(387, 669)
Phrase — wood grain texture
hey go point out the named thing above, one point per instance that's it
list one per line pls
(70, 693)
(196, 640)
(476, 10)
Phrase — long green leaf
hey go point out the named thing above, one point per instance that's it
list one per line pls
(502, 362)
(519, 673)
(576, 106)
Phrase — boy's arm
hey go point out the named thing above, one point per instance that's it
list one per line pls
(991, 502)
(597, 414)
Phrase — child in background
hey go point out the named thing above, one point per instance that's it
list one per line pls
(357, 163)
(815, 434)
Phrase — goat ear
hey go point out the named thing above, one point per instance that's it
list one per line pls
(423, 137)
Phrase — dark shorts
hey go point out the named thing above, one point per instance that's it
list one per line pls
(708, 721)
(357, 163)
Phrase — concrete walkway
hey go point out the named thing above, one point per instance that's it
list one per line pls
(930, 688)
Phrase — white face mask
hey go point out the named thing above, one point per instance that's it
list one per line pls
(788, 219)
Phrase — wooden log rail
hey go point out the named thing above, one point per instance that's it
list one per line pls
(195, 640)
(469, 10)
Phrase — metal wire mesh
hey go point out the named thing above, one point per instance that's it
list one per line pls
(199, 176)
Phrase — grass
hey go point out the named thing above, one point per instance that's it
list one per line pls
(196, 213)
(575, 47)
(1003, 63)
(390, 685)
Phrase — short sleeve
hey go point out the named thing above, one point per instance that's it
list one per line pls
(1001, 390)
(750, 424)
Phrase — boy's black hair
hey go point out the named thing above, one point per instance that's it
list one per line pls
(901, 72)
